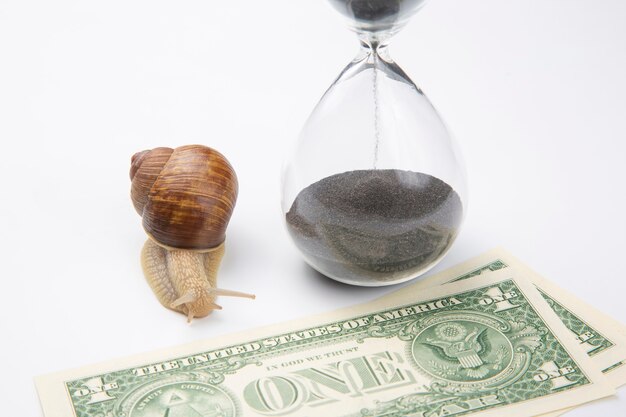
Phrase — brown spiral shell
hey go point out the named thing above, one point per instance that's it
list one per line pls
(185, 196)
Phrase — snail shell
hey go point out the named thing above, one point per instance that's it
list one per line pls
(185, 197)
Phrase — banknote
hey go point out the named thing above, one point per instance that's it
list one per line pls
(488, 344)
(600, 336)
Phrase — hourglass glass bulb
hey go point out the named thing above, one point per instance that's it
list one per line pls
(374, 189)
(376, 19)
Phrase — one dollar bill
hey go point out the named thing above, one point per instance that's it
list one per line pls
(598, 335)
(488, 344)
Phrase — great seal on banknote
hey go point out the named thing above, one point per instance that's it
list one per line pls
(466, 351)
(184, 395)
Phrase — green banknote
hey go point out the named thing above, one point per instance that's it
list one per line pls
(596, 333)
(488, 344)
(601, 337)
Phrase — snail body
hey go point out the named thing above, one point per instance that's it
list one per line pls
(185, 197)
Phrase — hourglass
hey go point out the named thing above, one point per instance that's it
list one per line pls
(374, 192)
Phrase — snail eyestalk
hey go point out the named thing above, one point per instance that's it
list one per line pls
(186, 298)
(229, 293)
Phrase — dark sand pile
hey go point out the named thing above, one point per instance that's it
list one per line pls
(374, 225)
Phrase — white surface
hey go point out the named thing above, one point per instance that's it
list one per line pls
(535, 92)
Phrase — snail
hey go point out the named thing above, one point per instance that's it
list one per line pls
(185, 197)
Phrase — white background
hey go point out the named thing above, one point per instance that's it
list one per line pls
(535, 92)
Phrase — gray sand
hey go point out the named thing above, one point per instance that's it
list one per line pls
(372, 226)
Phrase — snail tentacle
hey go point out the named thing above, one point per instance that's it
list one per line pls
(229, 293)
(184, 299)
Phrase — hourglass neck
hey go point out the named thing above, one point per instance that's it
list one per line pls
(374, 54)
(374, 42)
(373, 50)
